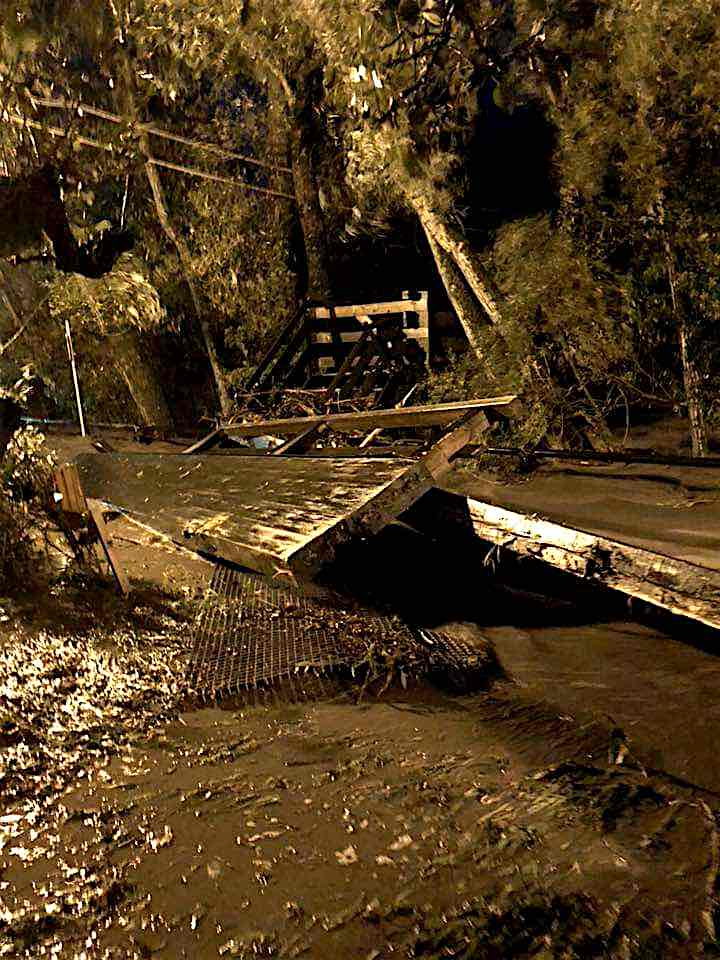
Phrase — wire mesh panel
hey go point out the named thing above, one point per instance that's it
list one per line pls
(253, 634)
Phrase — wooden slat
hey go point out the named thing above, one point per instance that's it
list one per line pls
(438, 414)
(68, 486)
(207, 442)
(268, 359)
(103, 534)
(321, 341)
(370, 309)
(288, 359)
(301, 442)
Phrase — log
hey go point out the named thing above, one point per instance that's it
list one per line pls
(683, 588)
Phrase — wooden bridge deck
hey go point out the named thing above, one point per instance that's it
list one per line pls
(269, 514)
(651, 533)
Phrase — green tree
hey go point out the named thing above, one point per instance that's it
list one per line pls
(632, 91)
(116, 310)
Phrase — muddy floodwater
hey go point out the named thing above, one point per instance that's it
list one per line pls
(568, 811)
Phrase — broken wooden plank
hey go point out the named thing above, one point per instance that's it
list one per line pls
(684, 588)
(80, 512)
(394, 499)
(257, 512)
(370, 309)
(103, 534)
(67, 483)
(439, 414)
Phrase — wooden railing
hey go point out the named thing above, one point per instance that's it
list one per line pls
(318, 340)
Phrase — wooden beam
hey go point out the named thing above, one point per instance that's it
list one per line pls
(269, 358)
(683, 588)
(352, 336)
(103, 535)
(206, 442)
(67, 483)
(302, 442)
(438, 414)
(393, 500)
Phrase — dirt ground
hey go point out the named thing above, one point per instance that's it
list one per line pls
(568, 811)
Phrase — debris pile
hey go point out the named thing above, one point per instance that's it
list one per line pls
(364, 354)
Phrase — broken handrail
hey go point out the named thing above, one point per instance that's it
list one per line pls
(429, 415)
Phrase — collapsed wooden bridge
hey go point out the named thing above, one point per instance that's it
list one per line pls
(276, 515)
(291, 514)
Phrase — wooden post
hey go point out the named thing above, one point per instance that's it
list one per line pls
(76, 382)
(421, 308)
(82, 512)
(103, 535)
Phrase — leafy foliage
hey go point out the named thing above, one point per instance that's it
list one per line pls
(120, 300)
(400, 98)
(25, 497)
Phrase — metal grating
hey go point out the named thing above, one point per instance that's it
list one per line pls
(252, 632)
(255, 635)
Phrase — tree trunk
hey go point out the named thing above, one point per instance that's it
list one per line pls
(130, 359)
(309, 213)
(186, 265)
(457, 249)
(182, 251)
(303, 136)
(691, 378)
(460, 299)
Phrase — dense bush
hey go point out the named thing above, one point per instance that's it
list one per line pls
(25, 497)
